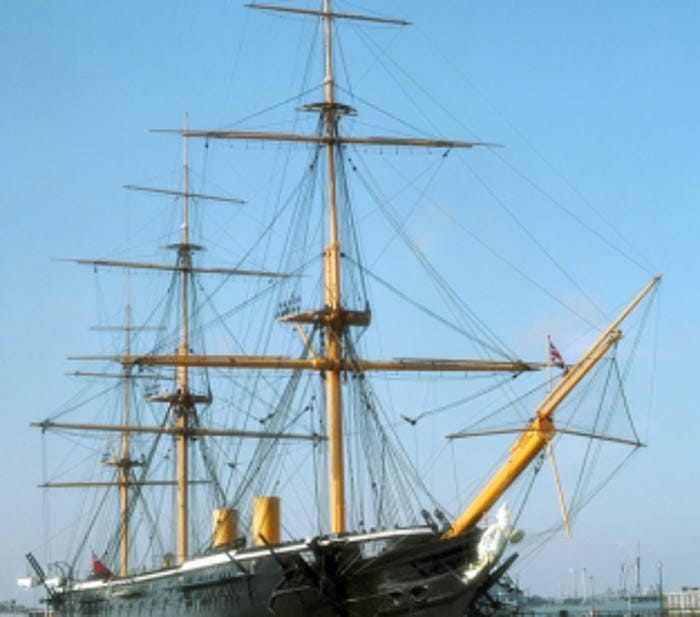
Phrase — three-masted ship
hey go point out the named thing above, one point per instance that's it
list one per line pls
(438, 567)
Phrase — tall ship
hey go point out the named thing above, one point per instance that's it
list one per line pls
(280, 438)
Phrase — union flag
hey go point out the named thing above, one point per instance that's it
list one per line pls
(555, 358)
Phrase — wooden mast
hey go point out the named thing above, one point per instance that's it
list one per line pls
(123, 463)
(125, 460)
(334, 324)
(183, 403)
(541, 431)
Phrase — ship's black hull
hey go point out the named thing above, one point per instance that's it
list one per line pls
(418, 575)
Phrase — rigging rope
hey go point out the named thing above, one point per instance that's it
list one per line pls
(380, 58)
(552, 259)
(459, 70)
(443, 320)
(81, 546)
(449, 295)
(405, 477)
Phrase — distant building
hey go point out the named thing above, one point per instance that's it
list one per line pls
(12, 609)
(685, 603)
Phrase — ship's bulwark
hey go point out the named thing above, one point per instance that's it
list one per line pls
(413, 574)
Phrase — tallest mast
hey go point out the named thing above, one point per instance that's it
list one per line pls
(333, 318)
(332, 297)
(183, 400)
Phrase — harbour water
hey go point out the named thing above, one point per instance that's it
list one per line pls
(597, 607)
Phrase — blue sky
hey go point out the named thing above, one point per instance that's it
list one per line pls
(595, 103)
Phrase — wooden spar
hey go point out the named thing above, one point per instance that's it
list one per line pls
(118, 375)
(150, 189)
(320, 363)
(327, 14)
(125, 462)
(49, 425)
(336, 139)
(183, 408)
(114, 484)
(560, 490)
(541, 431)
(563, 431)
(335, 328)
(137, 265)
